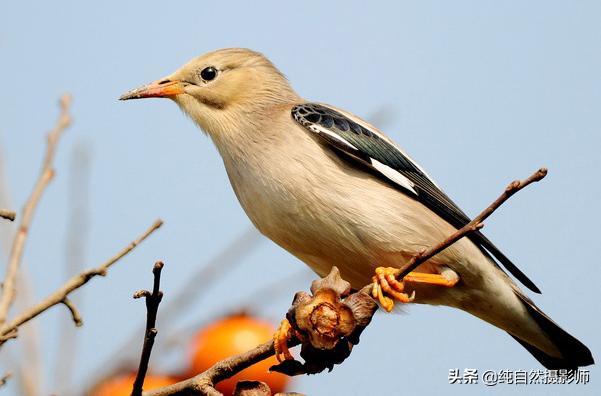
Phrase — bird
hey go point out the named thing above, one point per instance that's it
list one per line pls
(333, 190)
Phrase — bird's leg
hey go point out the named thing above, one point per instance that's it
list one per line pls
(280, 341)
(385, 284)
(432, 279)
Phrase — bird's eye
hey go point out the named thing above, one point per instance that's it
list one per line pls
(208, 73)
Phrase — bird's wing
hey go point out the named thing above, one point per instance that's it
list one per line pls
(365, 144)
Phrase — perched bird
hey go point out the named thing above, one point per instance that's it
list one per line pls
(333, 190)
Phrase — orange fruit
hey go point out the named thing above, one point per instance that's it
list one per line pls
(121, 385)
(231, 336)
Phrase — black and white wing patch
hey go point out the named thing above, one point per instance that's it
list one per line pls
(370, 147)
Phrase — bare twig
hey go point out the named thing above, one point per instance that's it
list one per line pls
(75, 315)
(472, 226)
(46, 175)
(30, 375)
(8, 214)
(72, 284)
(152, 308)
(202, 384)
(251, 388)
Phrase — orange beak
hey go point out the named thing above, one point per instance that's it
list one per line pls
(157, 89)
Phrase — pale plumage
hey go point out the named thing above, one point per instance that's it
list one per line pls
(333, 190)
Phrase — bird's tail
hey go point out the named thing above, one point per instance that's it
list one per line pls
(574, 353)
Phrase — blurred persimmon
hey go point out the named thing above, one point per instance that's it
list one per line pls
(121, 385)
(231, 336)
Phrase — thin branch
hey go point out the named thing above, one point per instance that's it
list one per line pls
(152, 308)
(75, 315)
(72, 284)
(46, 175)
(202, 384)
(8, 214)
(29, 367)
(472, 226)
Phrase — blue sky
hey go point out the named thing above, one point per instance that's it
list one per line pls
(479, 93)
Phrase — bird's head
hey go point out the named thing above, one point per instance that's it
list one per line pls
(221, 85)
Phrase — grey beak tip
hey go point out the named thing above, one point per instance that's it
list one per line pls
(127, 96)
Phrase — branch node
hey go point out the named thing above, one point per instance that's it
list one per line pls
(8, 214)
(158, 266)
(142, 293)
(8, 335)
(514, 185)
(251, 388)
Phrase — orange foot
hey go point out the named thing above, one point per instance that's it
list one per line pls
(385, 284)
(280, 341)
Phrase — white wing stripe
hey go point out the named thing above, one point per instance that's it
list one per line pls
(393, 175)
(319, 129)
(386, 170)
(381, 135)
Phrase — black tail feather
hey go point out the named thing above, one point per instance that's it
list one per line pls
(574, 353)
(553, 363)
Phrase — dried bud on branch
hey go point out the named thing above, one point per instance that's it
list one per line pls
(252, 388)
(327, 323)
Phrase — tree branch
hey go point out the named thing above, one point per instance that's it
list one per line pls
(202, 384)
(472, 226)
(8, 214)
(152, 308)
(58, 297)
(46, 175)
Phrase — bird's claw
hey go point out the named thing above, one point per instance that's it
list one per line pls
(280, 341)
(386, 288)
